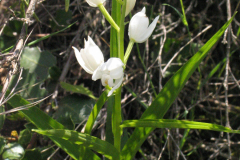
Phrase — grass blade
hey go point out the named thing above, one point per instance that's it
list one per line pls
(98, 145)
(171, 123)
(42, 121)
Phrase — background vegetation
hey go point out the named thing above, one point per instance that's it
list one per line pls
(52, 77)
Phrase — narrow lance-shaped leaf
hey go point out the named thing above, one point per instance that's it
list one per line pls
(95, 111)
(42, 121)
(98, 145)
(168, 94)
(67, 5)
(91, 119)
(77, 89)
(172, 123)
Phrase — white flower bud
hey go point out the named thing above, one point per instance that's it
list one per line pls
(129, 6)
(138, 30)
(91, 57)
(95, 3)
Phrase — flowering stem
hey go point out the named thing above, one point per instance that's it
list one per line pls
(117, 111)
(121, 33)
(108, 17)
(128, 51)
(117, 119)
(120, 1)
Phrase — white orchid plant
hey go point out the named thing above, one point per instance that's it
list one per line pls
(111, 73)
(91, 57)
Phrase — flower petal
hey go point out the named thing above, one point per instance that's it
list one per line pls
(97, 74)
(90, 57)
(138, 29)
(81, 61)
(113, 63)
(138, 25)
(116, 73)
(95, 3)
(94, 56)
(129, 6)
(149, 31)
(118, 84)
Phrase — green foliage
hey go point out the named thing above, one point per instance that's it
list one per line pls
(37, 61)
(12, 151)
(24, 137)
(67, 5)
(167, 95)
(2, 144)
(42, 121)
(32, 153)
(77, 89)
(86, 140)
(75, 107)
(171, 123)
(54, 72)
(40, 39)
(2, 117)
(36, 64)
(67, 121)
(40, 70)
(61, 19)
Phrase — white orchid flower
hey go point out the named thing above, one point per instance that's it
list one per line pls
(91, 57)
(110, 73)
(138, 30)
(92, 61)
(129, 6)
(95, 3)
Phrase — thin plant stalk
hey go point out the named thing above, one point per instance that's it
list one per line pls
(108, 17)
(128, 51)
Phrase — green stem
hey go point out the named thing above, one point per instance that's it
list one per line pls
(121, 34)
(108, 17)
(116, 115)
(117, 120)
(120, 2)
(128, 51)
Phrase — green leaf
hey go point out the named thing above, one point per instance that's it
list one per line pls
(6, 42)
(24, 137)
(36, 65)
(76, 107)
(171, 123)
(46, 152)
(168, 95)
(95, 111)
(54, 72)
(98, 145)
(62, 18)
(37, 62)
(34, 114)
(30, 85)
(86, 153)
(13, 151)
(2, 144)
(32, 154)
(67, 5)
(2, 117)
(42, 121)
(77, 89)
(66, 121)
